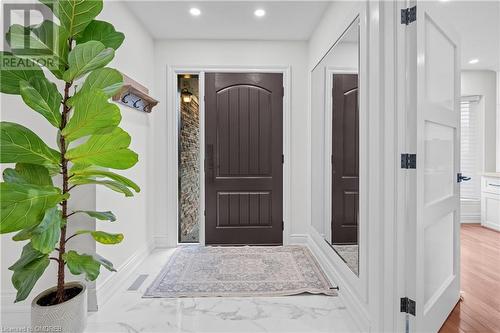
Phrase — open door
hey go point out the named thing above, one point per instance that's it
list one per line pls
(433, 229)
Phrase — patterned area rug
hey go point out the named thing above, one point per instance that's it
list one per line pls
(196, 271)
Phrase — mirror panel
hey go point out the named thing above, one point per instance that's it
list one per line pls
(335, 104)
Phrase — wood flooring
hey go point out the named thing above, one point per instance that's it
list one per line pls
(479, 310)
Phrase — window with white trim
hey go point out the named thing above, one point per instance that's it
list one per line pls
(470, 145)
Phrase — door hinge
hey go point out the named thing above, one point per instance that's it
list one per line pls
(204, 213)
(408, 161)
(282, 159)
(408, 306)
(282, 91)
(282, 225)
(408, 15)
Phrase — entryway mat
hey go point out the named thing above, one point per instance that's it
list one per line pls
(246, 271)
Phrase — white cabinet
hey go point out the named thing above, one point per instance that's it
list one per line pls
(490, 201)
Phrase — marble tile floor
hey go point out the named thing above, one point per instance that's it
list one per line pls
(126, 311)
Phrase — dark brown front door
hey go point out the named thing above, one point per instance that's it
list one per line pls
(345, 159)
(243, 159)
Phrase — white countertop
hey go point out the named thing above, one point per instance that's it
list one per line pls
(492, 174)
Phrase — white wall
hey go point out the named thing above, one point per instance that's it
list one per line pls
(226, 53)
(134, 58)
(498, 121)
(483, 83)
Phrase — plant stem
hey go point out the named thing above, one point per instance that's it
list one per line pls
(74, 235)
(64, 204)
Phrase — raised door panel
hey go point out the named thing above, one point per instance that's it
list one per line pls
(244, 125)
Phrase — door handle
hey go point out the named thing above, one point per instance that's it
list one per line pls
(461, 178)
(210, 163)
(495, 185)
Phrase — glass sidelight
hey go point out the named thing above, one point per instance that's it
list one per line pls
(189, 159)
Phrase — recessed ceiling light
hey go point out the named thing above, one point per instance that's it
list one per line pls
(195, 11)
(259, 12)
(473, 61)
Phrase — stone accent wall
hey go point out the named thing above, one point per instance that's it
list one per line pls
(189, 172)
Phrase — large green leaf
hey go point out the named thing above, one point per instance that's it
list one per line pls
(108, 80)
(106, 150)
(13, 70)
(98, 173)
(60, 47)
(103, 237)
(45, 235)
(23, 205)
(45, 43)
(75, 15)
(20, 144)
(103, 32)
(112, 185)
(12, 176)
(42, 96)
(27, 255)
(92, 114)
(104, 262)
(27, 270)
(103, 216)
(86, 57)
(82, 264)
(25, 278)
(28, 174)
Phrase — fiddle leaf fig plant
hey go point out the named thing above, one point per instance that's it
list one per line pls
(74, 53)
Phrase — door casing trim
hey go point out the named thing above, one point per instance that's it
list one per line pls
(172, 140)
(327, 196)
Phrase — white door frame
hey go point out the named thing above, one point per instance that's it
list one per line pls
(172, 140)
(404, 211)
(329, 72)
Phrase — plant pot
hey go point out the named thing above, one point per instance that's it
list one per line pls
(69, 316)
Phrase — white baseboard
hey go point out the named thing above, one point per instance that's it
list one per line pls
(495, 227)
(347, 296)
(472, 218)
(161, 241)
(298, 239)
(470, 211)
(117, 279)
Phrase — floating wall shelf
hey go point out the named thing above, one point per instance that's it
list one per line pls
(135, 95)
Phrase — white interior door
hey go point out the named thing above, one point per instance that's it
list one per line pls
(433, 273)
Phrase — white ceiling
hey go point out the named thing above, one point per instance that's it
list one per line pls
(284, 20)
(478, 24)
